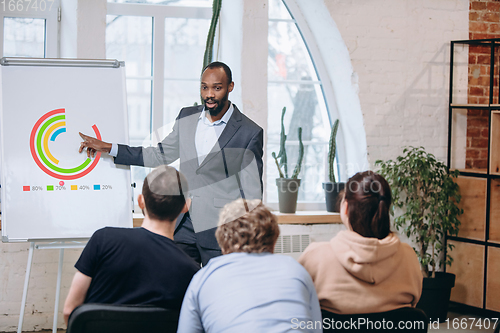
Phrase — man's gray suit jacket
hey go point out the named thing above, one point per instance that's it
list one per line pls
(233, 168)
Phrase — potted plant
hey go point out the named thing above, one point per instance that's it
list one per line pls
(288, 188)
(424, 189)
(332, 188)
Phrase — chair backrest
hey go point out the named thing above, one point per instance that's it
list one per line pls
(107, 318)
(400, 320)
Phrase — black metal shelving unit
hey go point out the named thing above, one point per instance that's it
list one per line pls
(488, 175)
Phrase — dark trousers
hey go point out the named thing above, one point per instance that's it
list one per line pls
(185, 238)
(198, 253)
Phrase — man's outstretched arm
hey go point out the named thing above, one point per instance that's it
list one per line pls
(128, 156)
(77, 293)
(164, 153)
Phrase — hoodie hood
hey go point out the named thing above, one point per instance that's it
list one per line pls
(369, 259)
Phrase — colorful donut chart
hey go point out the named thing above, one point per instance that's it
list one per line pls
(48, 128)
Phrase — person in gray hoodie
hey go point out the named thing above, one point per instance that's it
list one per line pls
(365, 268)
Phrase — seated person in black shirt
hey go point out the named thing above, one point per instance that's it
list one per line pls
(138, 265)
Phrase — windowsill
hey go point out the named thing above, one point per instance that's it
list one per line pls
(308, 217)
(300, 217)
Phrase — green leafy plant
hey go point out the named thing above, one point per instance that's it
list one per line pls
(283, 162)
(332, 148)
(424, 189)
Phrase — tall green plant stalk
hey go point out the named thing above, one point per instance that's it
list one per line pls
(332, 149)
(208, 56)
(277, 165)
(282, 153)
(283, 162)
(424, 189)
(296, 171)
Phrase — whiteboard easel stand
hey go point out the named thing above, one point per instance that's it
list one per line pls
(61, 245)
(55, 245)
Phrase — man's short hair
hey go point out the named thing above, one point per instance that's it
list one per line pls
(164, 190)
(218, 64)
(247, 226)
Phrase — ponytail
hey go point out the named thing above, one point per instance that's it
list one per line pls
(369, 198)
(381, 222)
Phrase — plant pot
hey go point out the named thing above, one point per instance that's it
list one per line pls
(288, 190)
(436, 296)
(332, 191)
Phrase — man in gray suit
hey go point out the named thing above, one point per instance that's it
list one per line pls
(220, 152)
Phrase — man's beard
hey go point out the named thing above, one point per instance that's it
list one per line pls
(220, 105)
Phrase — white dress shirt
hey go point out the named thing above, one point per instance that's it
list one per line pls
(207, 133)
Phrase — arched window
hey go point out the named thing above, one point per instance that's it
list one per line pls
(293, 82)
(162, 41)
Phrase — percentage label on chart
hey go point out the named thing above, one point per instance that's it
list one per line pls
(84, 187)
(60, 188)
(106, 187)
(36, 188)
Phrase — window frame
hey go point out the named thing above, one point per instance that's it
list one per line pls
(159, 13)
(317, 59)
(52, 25)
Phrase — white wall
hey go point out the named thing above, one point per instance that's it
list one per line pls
(83, 27)
(400, 51)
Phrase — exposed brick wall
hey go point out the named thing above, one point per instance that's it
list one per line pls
(484, 22)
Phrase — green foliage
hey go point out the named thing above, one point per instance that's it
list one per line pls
(332, 148)
(424, 189)
(283, 162)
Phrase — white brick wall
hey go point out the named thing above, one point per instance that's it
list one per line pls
(39, 309)
(400, 51)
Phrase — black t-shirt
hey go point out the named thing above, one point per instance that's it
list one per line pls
(135, 266)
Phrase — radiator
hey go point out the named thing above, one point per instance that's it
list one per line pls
(292, 243)
(294, 239)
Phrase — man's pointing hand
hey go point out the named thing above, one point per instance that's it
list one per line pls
(93, 145)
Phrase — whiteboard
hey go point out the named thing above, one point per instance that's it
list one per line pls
(49, 191)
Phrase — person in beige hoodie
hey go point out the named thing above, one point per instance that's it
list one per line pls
(364, 269)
